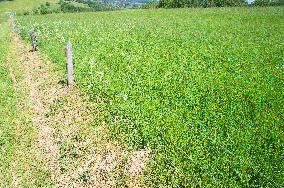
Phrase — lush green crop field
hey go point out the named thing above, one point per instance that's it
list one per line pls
(202, 88)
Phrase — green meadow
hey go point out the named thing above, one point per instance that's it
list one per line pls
(201, 88)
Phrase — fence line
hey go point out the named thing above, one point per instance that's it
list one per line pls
(33, 37)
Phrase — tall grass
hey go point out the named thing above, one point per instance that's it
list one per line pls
(202, 88)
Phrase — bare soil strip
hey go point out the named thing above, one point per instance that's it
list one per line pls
(69, 148)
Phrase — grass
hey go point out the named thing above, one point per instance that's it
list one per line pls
(17, 134)
(202, 88)
(7, 110)
(19, 6)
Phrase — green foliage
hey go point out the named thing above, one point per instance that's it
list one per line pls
(45, 8)
(67, 7)
(85, 6)
(199, 3)
(20, 7)
(96, 5)
(203, 89)
(150, 5)
(268, 3)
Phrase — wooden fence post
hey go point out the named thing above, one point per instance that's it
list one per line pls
(68, 51)
(12, 22)
(33, 39)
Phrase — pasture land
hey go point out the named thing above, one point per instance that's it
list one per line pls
(201, 88)
(21, 5)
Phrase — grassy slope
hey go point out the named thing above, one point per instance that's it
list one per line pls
(207, 82)
(21, 5)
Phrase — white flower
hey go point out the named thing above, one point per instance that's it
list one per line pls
(125, 97)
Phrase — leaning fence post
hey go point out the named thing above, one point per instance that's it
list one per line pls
(68, 51)
(12, 22)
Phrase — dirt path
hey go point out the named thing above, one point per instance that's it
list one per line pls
(67, 146)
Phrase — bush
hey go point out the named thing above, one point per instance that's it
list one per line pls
(43, 9)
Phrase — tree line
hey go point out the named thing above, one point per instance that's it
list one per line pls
(210, 3)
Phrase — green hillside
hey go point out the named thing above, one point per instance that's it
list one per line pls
(21, 5)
